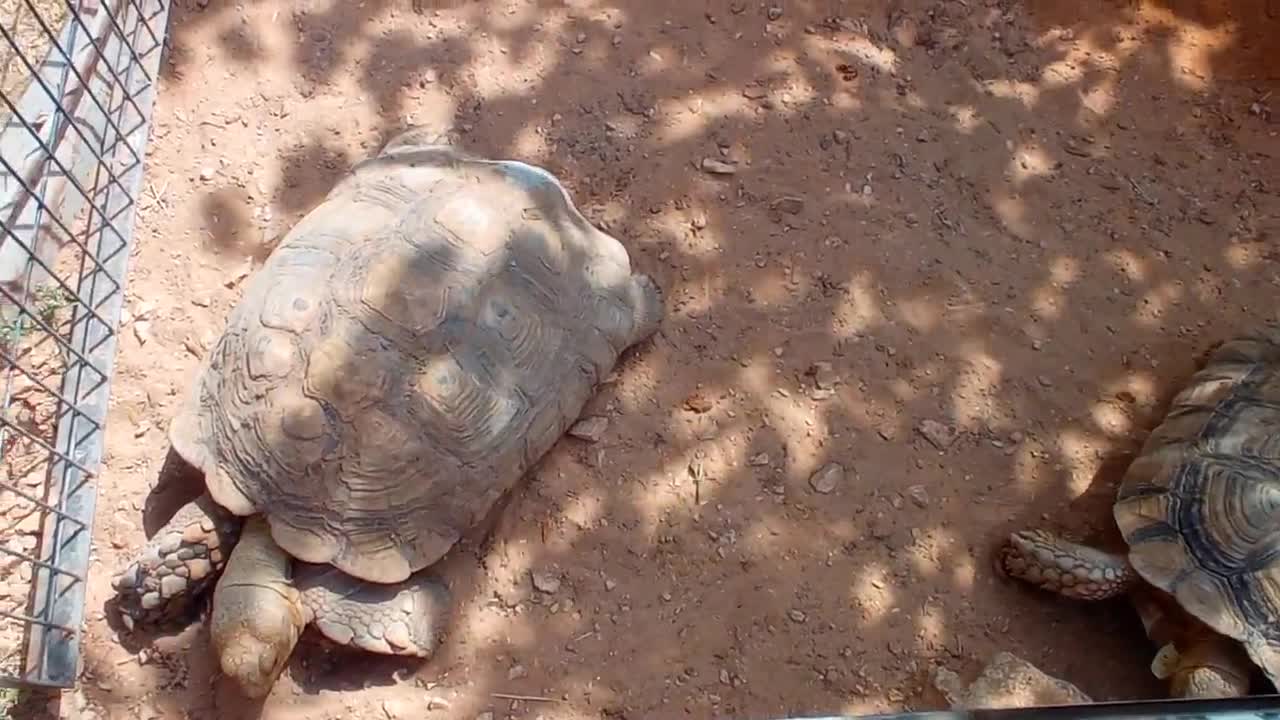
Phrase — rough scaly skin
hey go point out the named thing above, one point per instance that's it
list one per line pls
(257, 613)
(1069, 569)
(400, 619)
(260, 609)
(1213, 666)
(178, 564)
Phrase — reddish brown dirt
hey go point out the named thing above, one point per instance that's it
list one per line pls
(1022, 221)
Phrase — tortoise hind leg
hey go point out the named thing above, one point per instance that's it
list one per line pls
(403, 618)
(1067, 568)
(180, 561)
(1213, 666)
(647, 305)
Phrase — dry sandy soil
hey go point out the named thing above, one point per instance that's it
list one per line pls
(1000, 231)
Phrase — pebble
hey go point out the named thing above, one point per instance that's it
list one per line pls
(546, 582)
(774, 12)
(938, 434)
(207, 173)
(824, 375)
(590, 429)
(840, 136)
(1045, 381)
(918, 495)
(517, 672)
(797, 616)
(697, 402)
(610, 584)
(758, 460)
(486, 715)
(788, 204)
(718, 167)
(827, 478)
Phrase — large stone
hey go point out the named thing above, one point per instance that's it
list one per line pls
(1008, 681)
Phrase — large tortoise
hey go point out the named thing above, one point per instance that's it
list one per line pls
(414, 345)
(1200, 511)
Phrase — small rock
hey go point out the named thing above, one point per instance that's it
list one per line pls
(827, 478)
(758, 460)
(1008, 681)
(823, 374)
(797, 616)
(918, 495)
(718, 167)
(610, 584)
(755, 92)
(697, 402)
(486, 715)
(938, 434)
(546, 582)
(840, 136)
(207, 173)
(788, 204)
(1045, 381)
(517, 672)
(142, 331)
(774, 12)
(590, 429)
(1017, 436)
(922, 136)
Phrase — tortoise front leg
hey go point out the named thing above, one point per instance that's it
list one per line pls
(404, 618)
(1069, 569)
(257, 612)
(179, 563)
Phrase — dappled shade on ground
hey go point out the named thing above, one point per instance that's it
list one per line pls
(1017, 222)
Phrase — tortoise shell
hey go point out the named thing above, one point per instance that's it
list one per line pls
(1200, 506)
(407, 352)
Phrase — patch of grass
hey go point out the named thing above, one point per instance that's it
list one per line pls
(45, 303)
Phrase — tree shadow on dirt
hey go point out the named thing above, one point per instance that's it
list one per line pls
(1021, 221)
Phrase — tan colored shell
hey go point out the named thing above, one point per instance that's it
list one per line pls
(1200, 507)
(410, 349)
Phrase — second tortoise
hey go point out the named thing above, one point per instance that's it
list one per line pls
(1200, 510)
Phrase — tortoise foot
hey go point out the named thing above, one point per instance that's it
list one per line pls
(396, 619)
(181, 561)
(1069, 569)
(1212, 666)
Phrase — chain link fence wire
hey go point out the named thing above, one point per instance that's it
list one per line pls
(77, 83)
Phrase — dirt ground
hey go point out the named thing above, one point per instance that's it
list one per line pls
(966, 251)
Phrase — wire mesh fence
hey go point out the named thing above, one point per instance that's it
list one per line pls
(77, 79)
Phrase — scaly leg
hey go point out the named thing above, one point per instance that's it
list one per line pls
(399, 619)
(182, 560)
(1067, 568)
